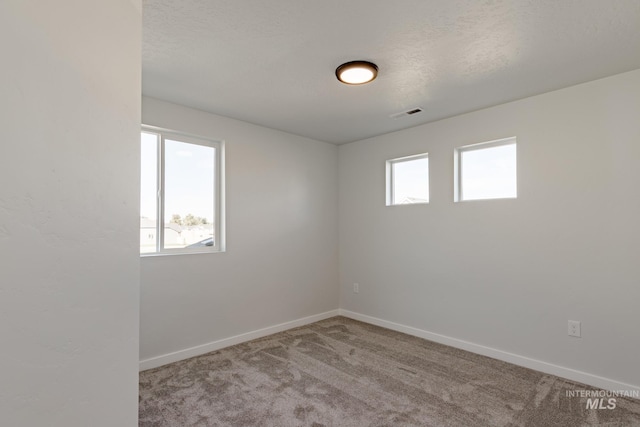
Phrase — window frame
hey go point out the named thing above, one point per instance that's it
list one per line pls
(458, 192)
(390, 196)
(218, 191)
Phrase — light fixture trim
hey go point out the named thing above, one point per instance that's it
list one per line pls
(357, 72)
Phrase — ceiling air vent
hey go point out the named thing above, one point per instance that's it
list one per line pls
(410, 112)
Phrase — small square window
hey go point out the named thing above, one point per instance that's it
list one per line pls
(486, 171)
(408, 180)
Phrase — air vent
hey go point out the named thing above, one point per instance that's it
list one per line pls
(410, 112)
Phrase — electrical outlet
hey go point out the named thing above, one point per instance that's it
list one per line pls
(574, 328)
(356, 288)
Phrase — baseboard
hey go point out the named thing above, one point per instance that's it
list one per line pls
(176, 356)
(538, 365)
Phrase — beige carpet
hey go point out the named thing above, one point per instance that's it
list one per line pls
(340, 372)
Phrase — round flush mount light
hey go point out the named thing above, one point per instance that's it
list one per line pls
(357, 72)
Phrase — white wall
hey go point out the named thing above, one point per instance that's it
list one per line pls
(282, 244)
(69, 295)
(508, 274)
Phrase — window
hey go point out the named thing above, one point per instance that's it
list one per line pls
(408, 180)
(180, 193)
(486, 171)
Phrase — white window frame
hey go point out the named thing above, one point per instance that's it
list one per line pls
(218, 196)
(458, 194)
(390, 196)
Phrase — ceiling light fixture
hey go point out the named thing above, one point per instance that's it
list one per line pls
(357, 72)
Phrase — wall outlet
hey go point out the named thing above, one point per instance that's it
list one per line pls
(574, 328)
(356, 288)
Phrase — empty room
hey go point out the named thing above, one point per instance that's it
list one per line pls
(320, 213)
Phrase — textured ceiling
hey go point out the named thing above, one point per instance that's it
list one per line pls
(272, 62)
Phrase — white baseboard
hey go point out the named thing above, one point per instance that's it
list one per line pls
(538, 365)
(176, 356)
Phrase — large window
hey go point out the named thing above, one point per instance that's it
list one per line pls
(408, 180)
(486, 171)
(180, 187)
